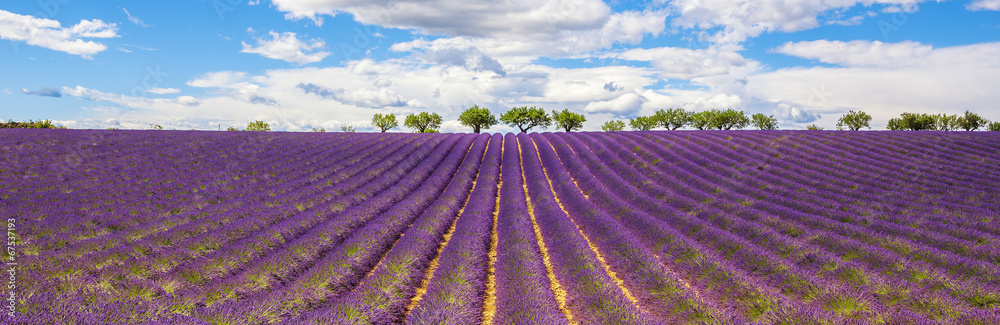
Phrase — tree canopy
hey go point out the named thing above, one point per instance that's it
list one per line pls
(971, 121)
(764, 122)
(672, 118)
(384, 121)
(643, 123)
(913, 121)
(568, 121)
(258, 126)
(854, 120)
(525, 118)
(477, 118)
(423, 122)
(614, 125)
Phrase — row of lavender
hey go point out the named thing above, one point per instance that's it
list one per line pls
(632, 227)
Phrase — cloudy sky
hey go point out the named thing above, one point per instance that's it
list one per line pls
(300, 64)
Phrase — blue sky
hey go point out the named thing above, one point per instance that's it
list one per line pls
(300, 64)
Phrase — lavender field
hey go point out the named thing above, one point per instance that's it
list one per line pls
(722, 227)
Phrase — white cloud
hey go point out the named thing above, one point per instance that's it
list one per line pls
(682, 63)
(359, 97)
(187, 101)
(978, 5)
(135, 20)
(287, 47)
(50, 34)
(164, 91)
(741, 19)
(627, 103)
(236, 85)
(860, 53)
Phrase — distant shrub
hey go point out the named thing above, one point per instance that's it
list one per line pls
(611, 126)
(993, 126)
(258, 126)
(347, 128)
(232, 128)
(43, 124)
(155, 127)
(318, 130)
(854, 120)
(814, 127)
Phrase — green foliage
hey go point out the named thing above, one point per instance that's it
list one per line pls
(384, 121)
(814, 127)
(232, 128)
(155, 127)
(614, 125)
(702, 120)
(258, 126)
(854, 120)
(643, 123)
(765, 122)
(971, 121)
(913, 121)
(423, 122)
(525, 118)
(944, 122)
(318, 130)
(568, 121)
(730, 119)
(477, 118)
(993, 126)
(673, 118)
(347, 128)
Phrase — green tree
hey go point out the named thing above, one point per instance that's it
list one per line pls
(730, 119)
(423, 122)
(765, 122)
(854, 120)
(258, 126)
(525, 118)
(913, 121)
(568, 121)
(478, 118)
(643, 123)
(993, 126)
(971, 121)
(672, 118)
(703, 120)
(232, 128)
(347, 128)
(944, 122)
(318, 130)
(384, 121)
(614, 125)
(814, 127)
(155, 127)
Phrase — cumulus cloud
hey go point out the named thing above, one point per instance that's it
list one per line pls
(978, 5)
(361, 97)
(45, 92)
(625, 104)
(234, 84)
(740, 19)
(860, 53)
(187, 101)
(287, 47)
(50, 34)
(682, 63)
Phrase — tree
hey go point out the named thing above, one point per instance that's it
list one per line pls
(765, 122)
(155, 127)
(854, 120)
(232, 128)
(347, 128)
(318, 130)
(258, 126)
(913, 121)
(643, 123)
(423, 122)
(568, 121)
(730, 119)
(477, 118)
(615, 125)
(993, 126)
(703, 120)
(971, 121)
(525, 118)
(944, 122)
(384, 121)
(814, 127)
(673, 118)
